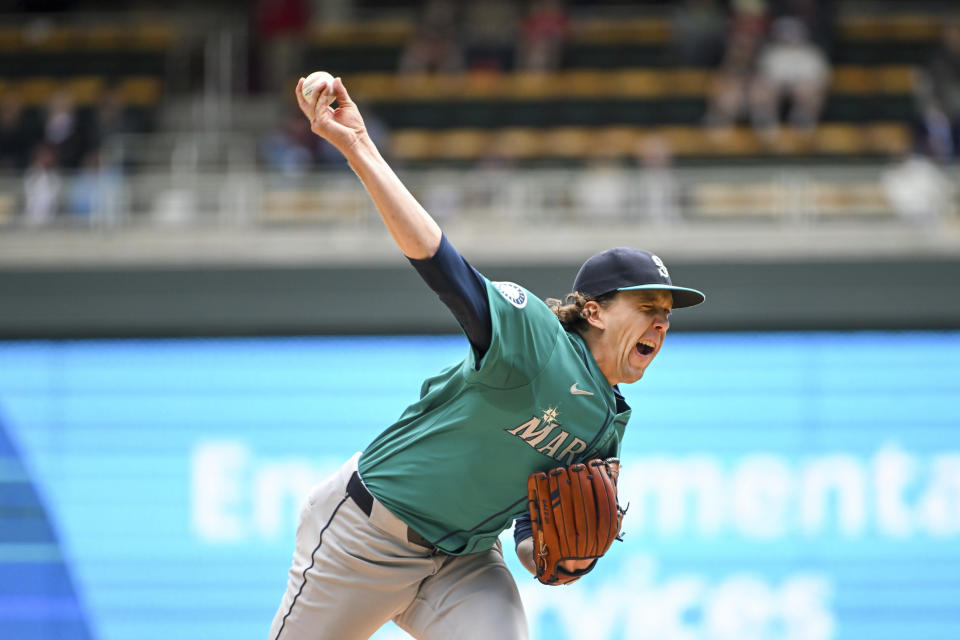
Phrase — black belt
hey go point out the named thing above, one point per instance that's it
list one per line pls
(364, 500)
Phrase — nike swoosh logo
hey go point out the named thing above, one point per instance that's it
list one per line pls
(579, 392)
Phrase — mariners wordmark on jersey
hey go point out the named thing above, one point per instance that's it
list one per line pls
(560, 445)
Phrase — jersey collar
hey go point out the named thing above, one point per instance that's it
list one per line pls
(595, 371)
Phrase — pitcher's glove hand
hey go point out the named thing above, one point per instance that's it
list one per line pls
(575, 515)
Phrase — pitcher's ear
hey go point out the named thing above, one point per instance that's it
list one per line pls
(591, 313)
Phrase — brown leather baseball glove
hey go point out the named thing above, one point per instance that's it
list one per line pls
(575, 515)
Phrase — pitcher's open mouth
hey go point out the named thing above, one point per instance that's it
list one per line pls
(645, 347)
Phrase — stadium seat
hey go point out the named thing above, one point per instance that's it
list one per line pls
(37, 91)
(141, 90)
(412, 145)
(733, 141)
(568, 142)
(890, 27)
(618, 30)
(461, 144)
(86, 89)
(518, 143)
(888, 138)
(615, 141)
(840, 139)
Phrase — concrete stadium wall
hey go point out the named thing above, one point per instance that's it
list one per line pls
(34, 303)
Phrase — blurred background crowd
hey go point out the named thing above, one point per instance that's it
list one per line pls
(116, 113)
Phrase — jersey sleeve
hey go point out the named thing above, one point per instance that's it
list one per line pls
(462, 289)
(524, 335)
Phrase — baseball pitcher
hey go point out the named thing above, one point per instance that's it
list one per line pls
(526, 428)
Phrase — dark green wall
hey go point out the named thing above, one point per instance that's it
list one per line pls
(892, 294)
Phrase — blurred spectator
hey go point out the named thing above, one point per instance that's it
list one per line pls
(490, 33)
(790, 67)
(334, 11)
(289, 150)
(434, 46)
(110, 117)
(944, 71)
(918, 190)
(656, 189)
(938, 99)
(601, 189)
(730, 85)
(818, 16)
(749, 17)
(443, 199)
(293, 150)
(41, 187)
(728, 94)
(698, 33)
(280, 27)
(62, 130)
(543, 34)
(90, 192)
(15, 137)
(935, 133)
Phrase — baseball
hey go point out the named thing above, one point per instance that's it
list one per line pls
(316, 78)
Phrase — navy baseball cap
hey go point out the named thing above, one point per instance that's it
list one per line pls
(629, 269)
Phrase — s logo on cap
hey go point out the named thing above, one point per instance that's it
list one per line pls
(661, 268)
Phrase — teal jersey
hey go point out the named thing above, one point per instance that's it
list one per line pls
(454, 467)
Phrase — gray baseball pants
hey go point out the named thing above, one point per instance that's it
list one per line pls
(352, 573)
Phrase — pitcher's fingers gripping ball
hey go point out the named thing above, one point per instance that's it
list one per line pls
(320, 81)
(575, 515)
(342, 126)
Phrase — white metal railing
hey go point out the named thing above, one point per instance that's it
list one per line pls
(188, 194)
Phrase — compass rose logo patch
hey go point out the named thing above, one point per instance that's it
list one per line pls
(514, 293)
